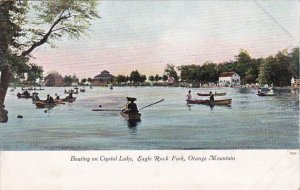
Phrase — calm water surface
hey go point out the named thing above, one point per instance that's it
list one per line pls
(252, 122)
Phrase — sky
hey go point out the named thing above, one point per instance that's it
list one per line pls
(148, 35)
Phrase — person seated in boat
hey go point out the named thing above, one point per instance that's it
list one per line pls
(57, 97)
(211, 97)
(70, 96)
(26, 93)
(131, 107)
(33, 96)
(37, 96)
(189, 95)
(50, 99)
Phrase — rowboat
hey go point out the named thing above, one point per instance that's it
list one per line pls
(71, 91)
(42, 104)
(131, 116)
(82, 90)
(208, 102)
(19, 95)
(216, 94)
(68, 99)
(264, 94)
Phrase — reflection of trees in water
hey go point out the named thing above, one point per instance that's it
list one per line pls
(244, 90)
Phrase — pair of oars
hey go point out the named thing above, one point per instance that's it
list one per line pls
(121, 110)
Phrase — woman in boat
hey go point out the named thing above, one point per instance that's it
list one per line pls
(189, 95)
(35, 96)
(211, 97)
(70, 96)
(131, 107)
(50, 99)
(57, 97)
(26, 93)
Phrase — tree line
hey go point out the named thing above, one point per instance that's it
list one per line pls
(275, 69)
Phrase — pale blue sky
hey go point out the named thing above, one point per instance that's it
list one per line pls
(146, 35)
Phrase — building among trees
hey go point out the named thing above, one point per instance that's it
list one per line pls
(103, 78)
(229, 79)
(54, 79)
(171, 80)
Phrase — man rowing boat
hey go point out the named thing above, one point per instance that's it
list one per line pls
(131, 107)
(50, 99)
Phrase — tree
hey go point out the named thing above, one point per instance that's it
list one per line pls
(83, 80)
(276, 70)
(151, 78)
(90, 80)
(121, 78)
(244, 64)
(164, 77)
(142, 78)
(20, 36)
(68, 79)
(135, 76)
(294, 62)
(170, 71)
(157, 77)
(34, 72)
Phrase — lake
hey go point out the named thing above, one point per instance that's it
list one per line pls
(252, 122)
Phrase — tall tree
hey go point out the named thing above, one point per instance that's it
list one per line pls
(157, 77)
(34, 73)
(121, 78)
(294, 62)
(151, 78)
(170, 71)
(21, 35)
(276, 70)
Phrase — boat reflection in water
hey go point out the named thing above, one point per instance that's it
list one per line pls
(133, 124)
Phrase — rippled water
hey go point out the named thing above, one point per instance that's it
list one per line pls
(252, 122)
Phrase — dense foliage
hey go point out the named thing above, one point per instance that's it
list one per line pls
(277, 69)
(26, 25)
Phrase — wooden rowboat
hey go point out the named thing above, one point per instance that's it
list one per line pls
(42, 104)
(19, 95)
(216, 94)
(264, 94)
(68, 99)
(208, 102)
(131, 116)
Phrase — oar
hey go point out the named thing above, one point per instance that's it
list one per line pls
(105, 110)
(152, 104)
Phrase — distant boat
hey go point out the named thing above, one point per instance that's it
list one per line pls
(19, 95)
(111, 87)
(216, 94)
(269, 93)
(265, 94)
(42, 104)
(71, 91)
(208, 102)
(82, 90)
